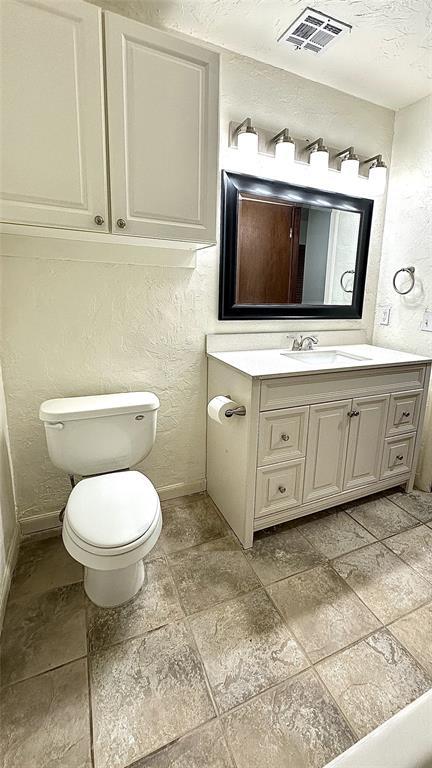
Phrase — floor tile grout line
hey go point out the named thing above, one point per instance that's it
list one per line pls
(39, 593)
(312, 666)
(330, 565)
(380, 538)
(403, 508)
(89, 691)
(44, 672)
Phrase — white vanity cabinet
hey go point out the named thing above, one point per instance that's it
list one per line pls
(161, 112)
(309, 442)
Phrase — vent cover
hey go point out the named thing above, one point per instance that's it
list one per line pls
(314, 31)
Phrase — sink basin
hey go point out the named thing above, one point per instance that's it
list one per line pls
(323, 357)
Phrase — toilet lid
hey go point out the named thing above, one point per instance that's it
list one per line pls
(112, 510)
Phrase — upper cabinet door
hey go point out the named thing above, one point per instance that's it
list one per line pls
(366, 440)
(163, 133)
(53, 149)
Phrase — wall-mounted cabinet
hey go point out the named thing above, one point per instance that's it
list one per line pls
(53, 170)
(161, 112)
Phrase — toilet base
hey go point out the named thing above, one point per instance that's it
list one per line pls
(111, 588)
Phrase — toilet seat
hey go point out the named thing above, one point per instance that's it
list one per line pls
(112, 521)
(112, 512)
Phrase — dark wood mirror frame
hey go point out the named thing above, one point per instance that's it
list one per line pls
(234, 184)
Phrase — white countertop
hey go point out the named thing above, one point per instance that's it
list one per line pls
(270, 363)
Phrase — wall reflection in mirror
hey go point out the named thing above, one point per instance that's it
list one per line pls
(291, 251)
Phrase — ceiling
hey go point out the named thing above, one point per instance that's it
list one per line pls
(387, 58)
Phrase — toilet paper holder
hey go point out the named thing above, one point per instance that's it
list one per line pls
(239, 411)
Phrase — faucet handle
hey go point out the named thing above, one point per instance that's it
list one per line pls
(297, 342)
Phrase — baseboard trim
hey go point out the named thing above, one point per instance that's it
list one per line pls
(40, 523)
(181, 489)
(8, 572)
(49, 521)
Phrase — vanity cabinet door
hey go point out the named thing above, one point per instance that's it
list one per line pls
(326, 449)
(163, 133)
(367, 422)
(53, 170)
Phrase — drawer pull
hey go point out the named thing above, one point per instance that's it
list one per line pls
(399, 457)
(282, 489)
(285, 437)
(353, 413)
(406, 413)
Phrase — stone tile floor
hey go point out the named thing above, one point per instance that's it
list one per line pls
(282, 655)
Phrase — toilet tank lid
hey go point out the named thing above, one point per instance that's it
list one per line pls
(91, 406)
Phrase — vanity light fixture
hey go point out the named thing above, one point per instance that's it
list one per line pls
(284, 147)
(319, 155)
(350, 163)
(247, 138)
(377, 173)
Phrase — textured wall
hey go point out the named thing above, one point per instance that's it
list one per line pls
(408, 241)
(78, 327)
(7, 504)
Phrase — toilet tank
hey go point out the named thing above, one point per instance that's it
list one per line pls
(100, 433)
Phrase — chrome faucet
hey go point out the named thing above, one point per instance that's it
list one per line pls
(304, 343)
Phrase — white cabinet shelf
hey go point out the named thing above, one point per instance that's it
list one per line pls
(162, 117)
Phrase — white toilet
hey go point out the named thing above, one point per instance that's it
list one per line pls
(113, 516)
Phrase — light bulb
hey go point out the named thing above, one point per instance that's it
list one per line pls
(377, 178)
(285, 152)
(350, 167)
(319, 160)
(247, 142)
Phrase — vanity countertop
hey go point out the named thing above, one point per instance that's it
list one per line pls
(272, 363)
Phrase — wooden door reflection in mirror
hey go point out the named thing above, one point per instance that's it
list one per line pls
(268, 235)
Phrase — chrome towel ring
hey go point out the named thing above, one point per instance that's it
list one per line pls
(347, 272)
(410, 271)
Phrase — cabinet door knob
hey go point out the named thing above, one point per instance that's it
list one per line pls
(121, 223)
(99, 220)
(353, 413)
(405, 413)
(399, 457)
(282, 489)
(285, 437)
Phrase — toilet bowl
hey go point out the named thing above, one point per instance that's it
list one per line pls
(111, 522)
(113, 517)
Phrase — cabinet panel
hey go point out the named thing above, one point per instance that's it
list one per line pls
(279, 487)
(282, 435)
(398, 455)
(366, 439)
(53, 160)
(403, 412)
(289, 391)
(163, 132)
(326, 449)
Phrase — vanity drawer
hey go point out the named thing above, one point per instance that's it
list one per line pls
(325, 387)
(398, 455)
(282, 435)
(279, 487)
(404, 412)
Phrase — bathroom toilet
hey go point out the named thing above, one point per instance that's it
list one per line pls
(113, 517)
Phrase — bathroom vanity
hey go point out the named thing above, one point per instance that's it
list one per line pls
(321, 428)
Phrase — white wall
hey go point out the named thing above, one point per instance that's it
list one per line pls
(408, 242)
(8, 522)
(77, 328)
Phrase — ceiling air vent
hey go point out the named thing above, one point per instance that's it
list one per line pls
(314, 31)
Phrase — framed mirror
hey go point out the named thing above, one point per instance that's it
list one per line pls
(290, 251)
